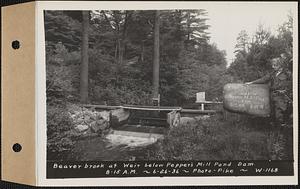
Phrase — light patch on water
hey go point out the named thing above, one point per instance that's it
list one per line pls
(130, 141)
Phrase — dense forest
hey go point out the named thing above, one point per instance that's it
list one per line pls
(121, 56)
(119, 70)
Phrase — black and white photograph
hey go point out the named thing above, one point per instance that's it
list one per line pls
(212, 85)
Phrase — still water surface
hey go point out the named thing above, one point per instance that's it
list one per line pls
(112, 147)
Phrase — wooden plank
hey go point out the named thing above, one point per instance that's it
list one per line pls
(198, 111)
(134, 107)
(164, 107)
(105, 107)
(151, 118)
(151, 109)
(208, 102)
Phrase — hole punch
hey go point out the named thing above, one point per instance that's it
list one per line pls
(15, 44)
(17, 147)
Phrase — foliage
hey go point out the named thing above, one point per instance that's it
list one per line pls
(219, 139)
(254, 60)
(62, 28)
(63, 120)
(59, 125)
(120, 57)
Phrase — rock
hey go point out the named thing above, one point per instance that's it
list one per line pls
(118, 117)
(203, 117)
(89, 119)
(82, 128)
(102, 124)
(121, 114)
(187, 121)
(99, 125)
(251, 99)
(104, 115)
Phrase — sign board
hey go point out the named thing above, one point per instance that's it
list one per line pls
(252, 99)
(200, 97)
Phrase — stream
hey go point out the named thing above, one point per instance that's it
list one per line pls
(116, 146)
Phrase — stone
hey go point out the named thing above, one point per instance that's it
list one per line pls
(99, 125)
(202, 117)
(104, 115)
(252, 99)
(82, 128)
(187, 121)
(119, 117)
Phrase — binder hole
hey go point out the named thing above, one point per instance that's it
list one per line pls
(15, 44)
(17, 147)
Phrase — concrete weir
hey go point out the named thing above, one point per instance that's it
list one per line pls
(139, 126)
(159, 116)
(147, 123)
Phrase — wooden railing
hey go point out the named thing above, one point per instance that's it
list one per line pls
(156, 108)
(202, 103)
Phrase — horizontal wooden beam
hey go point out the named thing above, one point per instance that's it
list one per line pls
(101, 106)
(193, 111)
(208, 102)
(151, 109)
(133, 107)
(157, 107)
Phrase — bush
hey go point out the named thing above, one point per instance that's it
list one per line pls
(217, 139)
(59, 127)
(62, 72)
(121, 95)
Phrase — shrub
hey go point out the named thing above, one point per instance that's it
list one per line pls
(121, 95)
(217, 139)
(59, 126)
(62, 72)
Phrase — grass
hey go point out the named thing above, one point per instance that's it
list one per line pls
(236, 138)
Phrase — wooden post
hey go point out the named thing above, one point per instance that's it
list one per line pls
(202, 106)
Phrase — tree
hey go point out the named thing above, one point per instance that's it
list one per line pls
(242, 45)
(60, 27)
(257, 63)
(121, 55)
(156, 56)
(84, 68)
(194, 25)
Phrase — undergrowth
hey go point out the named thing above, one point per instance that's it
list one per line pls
(236, 138)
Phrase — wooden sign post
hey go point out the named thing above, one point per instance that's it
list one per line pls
(252, 99)
(200, 97)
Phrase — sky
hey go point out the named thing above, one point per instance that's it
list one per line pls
(226, 20)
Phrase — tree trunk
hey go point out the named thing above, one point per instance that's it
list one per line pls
(123, 40)
(119, 52)
(122, 46)
(142, 51)
(155, 81)
(116, 51)
(84, 67)
(188, 26)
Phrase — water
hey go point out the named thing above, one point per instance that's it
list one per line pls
(129, 142)
(117, 146)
